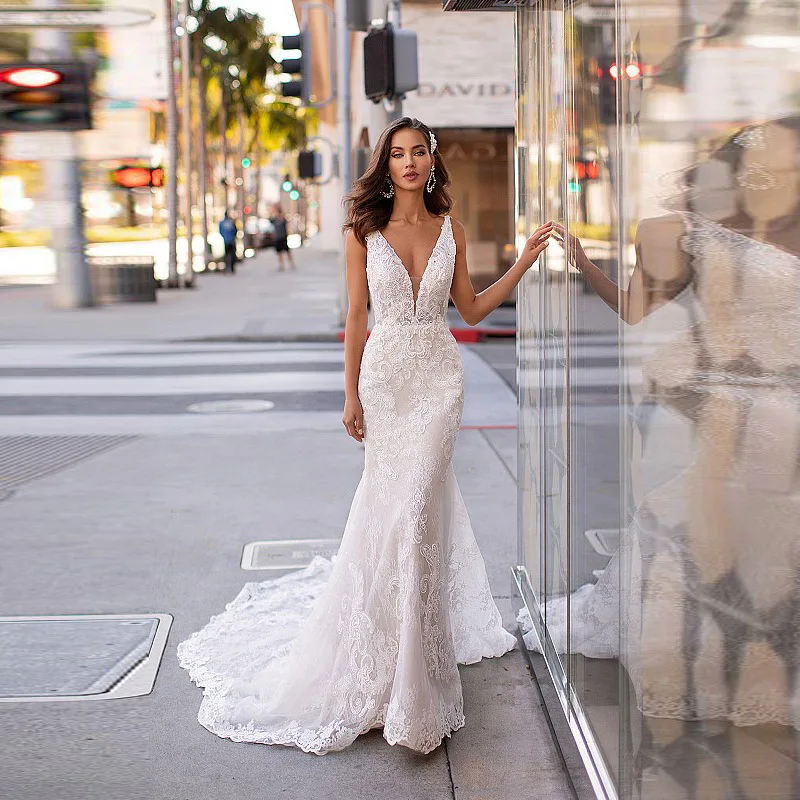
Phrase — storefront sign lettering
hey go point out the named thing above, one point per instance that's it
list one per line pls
(434, 90)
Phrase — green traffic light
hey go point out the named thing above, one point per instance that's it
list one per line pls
(294, 194)
(287, 186)
(246, 162)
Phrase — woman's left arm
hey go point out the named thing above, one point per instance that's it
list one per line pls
(475, 307)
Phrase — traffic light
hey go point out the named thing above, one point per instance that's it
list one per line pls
(300, 67)
(133, 177)
(309, 164)
(586, 170)
(287, 184)
(246, 162)
(45, 97)
(390, 62)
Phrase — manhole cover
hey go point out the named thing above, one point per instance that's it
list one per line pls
(84, 657)
(231, 407)
(287, 553)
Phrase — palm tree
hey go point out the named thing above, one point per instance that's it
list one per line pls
(234, 58)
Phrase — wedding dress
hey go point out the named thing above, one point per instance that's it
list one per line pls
(372, 638)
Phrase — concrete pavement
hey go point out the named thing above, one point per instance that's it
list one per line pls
(156, 523)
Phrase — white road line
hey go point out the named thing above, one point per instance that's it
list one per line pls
(226, 383)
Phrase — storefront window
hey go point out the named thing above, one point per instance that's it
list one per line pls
(659, 356)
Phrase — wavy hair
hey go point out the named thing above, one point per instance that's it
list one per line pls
(367, 209)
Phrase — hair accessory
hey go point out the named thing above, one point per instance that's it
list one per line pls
(388, 192)
(433, 142)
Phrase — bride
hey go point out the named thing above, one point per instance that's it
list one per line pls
(372, 639)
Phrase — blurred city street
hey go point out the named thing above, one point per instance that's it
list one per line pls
(146, 495)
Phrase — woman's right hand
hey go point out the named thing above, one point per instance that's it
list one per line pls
(353, 418)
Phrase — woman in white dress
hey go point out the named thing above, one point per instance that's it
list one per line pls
(373, 638)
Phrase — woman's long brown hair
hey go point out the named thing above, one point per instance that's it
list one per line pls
(367, 209)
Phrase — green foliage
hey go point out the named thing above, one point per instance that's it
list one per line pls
(235, 56)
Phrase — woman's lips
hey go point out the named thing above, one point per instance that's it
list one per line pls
(410, 176)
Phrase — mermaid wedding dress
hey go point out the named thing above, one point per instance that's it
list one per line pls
(372, 638)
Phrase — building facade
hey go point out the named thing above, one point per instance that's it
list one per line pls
(467, 100)
(659, 417)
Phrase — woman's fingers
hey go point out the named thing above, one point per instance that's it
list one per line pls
(354, 427)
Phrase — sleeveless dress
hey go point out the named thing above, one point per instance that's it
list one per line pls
(372, 638)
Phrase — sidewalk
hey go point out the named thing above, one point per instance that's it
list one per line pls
(258, 303)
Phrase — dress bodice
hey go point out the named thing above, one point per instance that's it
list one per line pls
(391, 288)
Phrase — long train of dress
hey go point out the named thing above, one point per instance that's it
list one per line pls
(372, 639)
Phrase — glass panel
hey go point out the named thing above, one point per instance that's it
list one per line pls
(591, 214)
(659, 520)
(711, 139)
(553, 320)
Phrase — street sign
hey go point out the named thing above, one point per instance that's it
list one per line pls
(73, 18)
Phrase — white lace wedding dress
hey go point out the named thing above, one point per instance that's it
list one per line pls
(372, 639)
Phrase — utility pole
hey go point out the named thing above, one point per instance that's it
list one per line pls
(343, 126)
(172, 149)
(73, 287)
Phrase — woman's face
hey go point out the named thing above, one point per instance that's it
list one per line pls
(409, 160)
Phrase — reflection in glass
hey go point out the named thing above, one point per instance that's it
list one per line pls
(667, 348)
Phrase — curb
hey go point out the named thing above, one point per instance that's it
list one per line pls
(470, 335)
(464, 335)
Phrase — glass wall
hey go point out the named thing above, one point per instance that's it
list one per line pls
(659, 372)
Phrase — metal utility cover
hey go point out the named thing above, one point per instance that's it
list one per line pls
(287, 553)
(81, 657)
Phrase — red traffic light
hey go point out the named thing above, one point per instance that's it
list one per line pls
(586, 170)
(631, 71)
(31, 77)
(131, 177)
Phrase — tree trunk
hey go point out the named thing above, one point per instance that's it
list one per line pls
(257, 165)
(223, 134)
(186, 94)
(202, 112)
(238, 165)
(172, 149)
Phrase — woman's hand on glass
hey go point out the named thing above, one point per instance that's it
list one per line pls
(572, 246)
(535, 244)
(353, 419)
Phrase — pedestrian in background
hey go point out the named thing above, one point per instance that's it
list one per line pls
(228, 230)
(281, 226)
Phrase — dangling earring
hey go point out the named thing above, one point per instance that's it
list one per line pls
(388, 193)
(431, 180)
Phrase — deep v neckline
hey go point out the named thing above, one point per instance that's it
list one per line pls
(415, 300)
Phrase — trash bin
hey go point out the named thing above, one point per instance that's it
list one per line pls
(123, 279)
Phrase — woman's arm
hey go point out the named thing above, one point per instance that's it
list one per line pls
(475, 307)
(355, 333)
(667, 269)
